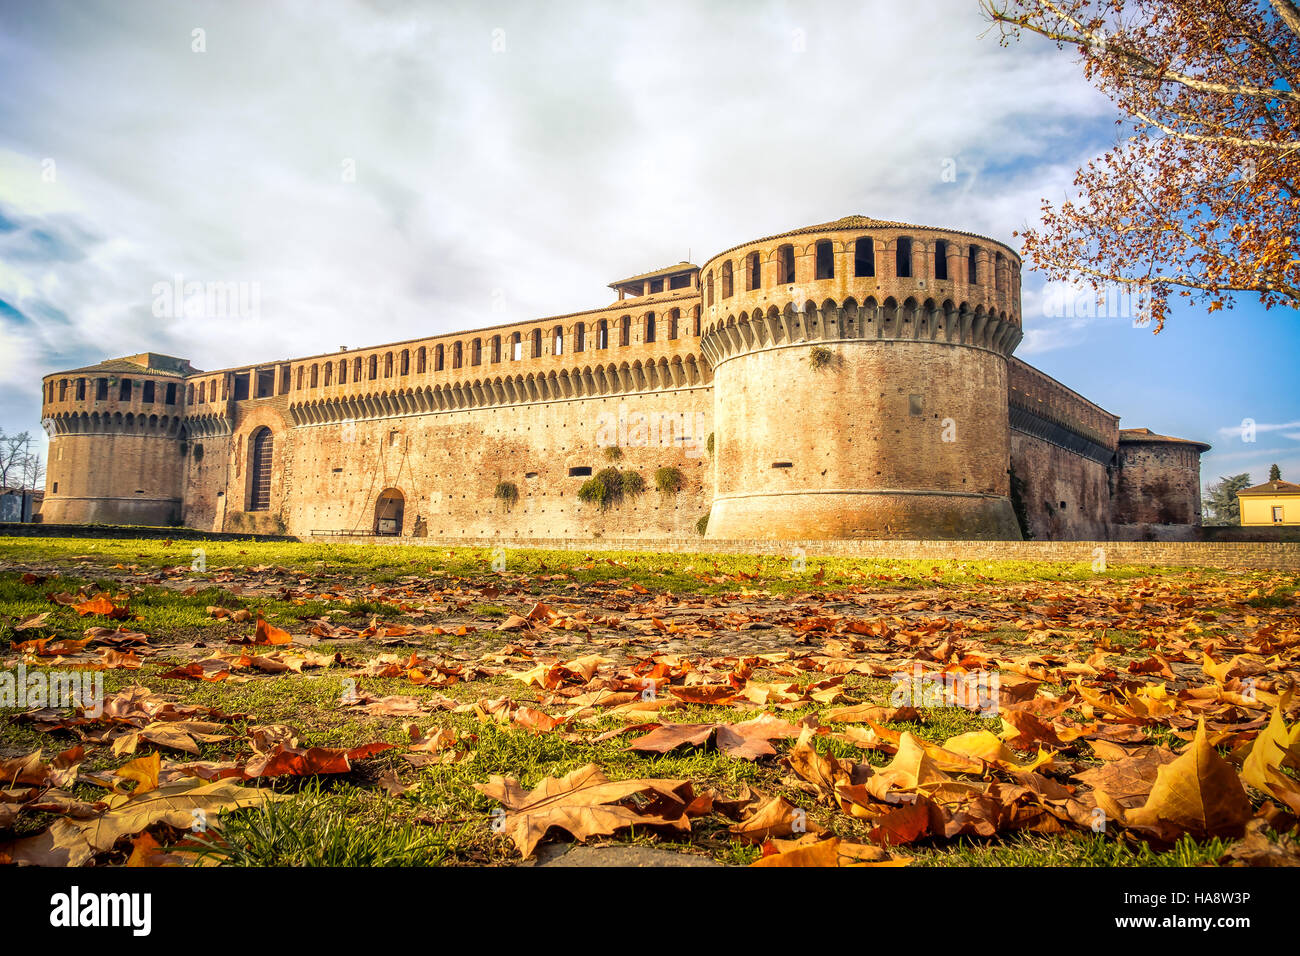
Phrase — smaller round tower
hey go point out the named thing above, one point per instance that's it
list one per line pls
(117, 442)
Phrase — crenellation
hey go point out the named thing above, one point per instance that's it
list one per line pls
(853, 379)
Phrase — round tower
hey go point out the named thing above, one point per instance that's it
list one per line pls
(860, 383)
(117, 442)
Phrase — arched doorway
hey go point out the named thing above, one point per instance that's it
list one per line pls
(261, 447)
(389, 511)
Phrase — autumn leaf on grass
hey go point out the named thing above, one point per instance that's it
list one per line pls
(1276, 746)
(1128, 781)
(102, 604)
(832, 852)
(143, 770)
(270, 634)
(584, 803)
(70, 842)
(776, 817)
(1199, 793)
(747, 740)
(285, 760)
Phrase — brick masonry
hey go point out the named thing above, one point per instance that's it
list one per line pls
(857, 378)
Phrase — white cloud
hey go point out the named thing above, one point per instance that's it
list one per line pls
(600, 143)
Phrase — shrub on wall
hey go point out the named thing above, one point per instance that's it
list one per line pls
(508, 492)
(613, 453)
(820, 357)
(631, 483)
(669, 479)
(708, 445)
(702, 525)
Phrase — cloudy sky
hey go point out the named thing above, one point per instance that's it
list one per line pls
(383, 170)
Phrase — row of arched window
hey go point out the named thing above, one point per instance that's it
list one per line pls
(79, 387)
(479, 351)
(863, 265)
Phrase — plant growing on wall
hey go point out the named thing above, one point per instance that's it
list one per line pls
(669, 480)
(604, 489)
(708, 445)
(632, 483)
(1018, 504)
(613, 453)
(702, 524)
(820, 357)
(507, 492)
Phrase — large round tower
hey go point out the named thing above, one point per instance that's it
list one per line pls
(860, 383)
(117, 442)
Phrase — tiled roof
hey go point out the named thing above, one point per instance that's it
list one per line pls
(1147, 435)
(1272, 488)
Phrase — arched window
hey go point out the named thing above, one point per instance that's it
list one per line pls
(476, 352)
(356, 369)
(81, 389)
(903, 258)
(973, 265)
(457, 355)
(650, 327)
(785, 265)
(189, 395)
(404, 362)
(708, 288)
(329, 373)
(438, 355)
(580, 337)
(63, 389)
(537, 343)
(941, 259)
(315, 376)
(421, 357)
(998, 265)
(695, 322)
(602, 334)
(825, 259)
(625, 330)
(727, 286)
(516, 347)
(343, 371)
(496, 348)
(388, 365)
(864, 258)
(673, 318)
(260, 450)
(753, 272)
(301, 374)
(557, 340)
(203, 392)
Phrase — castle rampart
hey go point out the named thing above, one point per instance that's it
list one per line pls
(852, 379)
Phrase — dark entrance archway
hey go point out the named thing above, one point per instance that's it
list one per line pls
(389, 511)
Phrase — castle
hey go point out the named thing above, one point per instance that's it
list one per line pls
(850, 379)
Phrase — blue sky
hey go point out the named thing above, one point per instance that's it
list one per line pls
(510, 160)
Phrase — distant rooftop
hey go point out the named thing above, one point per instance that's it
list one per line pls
(1272, 488)
(145, 363)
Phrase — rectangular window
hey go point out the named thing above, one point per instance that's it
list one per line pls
(124, 390)
(941, 259)
(101, 389)
(147, 395)
(1277, 514)
(171, 393)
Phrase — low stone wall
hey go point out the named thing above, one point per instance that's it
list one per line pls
(42, 530)
(1166, 554)
(1259, 555)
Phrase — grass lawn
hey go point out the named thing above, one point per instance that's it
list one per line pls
(472, 664)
